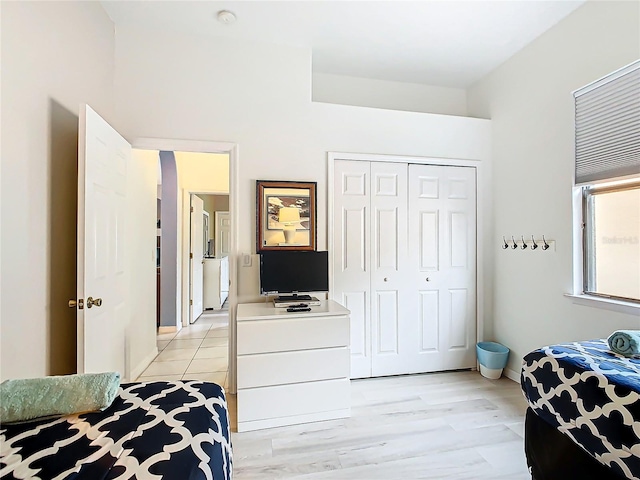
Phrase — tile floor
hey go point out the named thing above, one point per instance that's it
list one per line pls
(197, 352)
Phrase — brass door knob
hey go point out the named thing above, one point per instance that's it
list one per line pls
(94, 301)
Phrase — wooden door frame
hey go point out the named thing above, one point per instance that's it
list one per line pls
(482, 201)
(232, 149)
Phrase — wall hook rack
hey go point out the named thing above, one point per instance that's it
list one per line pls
(524, 244)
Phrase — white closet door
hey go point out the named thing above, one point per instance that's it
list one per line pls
(351, 263)
(391, 331)
(442, 250)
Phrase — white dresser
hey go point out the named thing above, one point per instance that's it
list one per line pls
(292, 367)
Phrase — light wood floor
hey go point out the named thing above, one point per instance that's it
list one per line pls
(435, 426)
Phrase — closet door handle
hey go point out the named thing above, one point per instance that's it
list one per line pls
(385, 279)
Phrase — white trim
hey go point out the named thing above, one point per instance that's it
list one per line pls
(577, 295)
(233, 150)
(142, 366)
(477, 164)
(512, 375)
(612, 304)
(578, 256)
(377, 157)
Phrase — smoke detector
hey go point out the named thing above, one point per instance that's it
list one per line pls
(226, 17)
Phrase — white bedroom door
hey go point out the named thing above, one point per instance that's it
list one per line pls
(102, 292)
(196, 259)
(442, 256)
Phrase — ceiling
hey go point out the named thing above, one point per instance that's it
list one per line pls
(450, 43)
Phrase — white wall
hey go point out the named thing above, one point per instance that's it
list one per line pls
(55, 55)
(203, 172)
(529, 101)
(368, 92)
(259, 96)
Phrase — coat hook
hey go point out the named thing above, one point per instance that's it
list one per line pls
(524, 243)
(506, 245)
(545, 245)
(534, 245)
(515, 244)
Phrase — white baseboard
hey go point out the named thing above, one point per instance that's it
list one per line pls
(142, 366)
(173, 329)
(512, 375)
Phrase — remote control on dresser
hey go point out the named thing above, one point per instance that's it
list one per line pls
(298, 309)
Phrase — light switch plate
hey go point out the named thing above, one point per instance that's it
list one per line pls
(246, 260)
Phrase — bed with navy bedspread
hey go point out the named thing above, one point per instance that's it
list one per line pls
(169, 430)
(590, 395)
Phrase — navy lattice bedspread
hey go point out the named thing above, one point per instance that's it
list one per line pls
(169, 430)
(593, 396)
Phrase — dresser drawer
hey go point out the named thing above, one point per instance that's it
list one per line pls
(297, 333)
(293, 400)
(292, 367)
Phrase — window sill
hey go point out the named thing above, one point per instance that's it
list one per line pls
(605, 303)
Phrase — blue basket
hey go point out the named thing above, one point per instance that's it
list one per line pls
(492, 355)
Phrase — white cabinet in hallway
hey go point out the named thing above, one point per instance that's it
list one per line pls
(293, 367)
(404, 244)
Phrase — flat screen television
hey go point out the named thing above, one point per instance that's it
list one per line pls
(284, 272)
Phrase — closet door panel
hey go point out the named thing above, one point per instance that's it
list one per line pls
(351, 264)
(387, 322)
(389, 306)
(428, 242)
(442, 245)
(429, 331)
(357, 303)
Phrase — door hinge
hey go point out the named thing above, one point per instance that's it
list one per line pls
(191, 255)
(190, 302)
(191, 209)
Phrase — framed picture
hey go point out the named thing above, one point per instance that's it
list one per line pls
(285, 215)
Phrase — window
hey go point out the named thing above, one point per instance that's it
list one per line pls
(611, 241)
(607, 178)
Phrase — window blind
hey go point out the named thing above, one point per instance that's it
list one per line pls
(607, 127)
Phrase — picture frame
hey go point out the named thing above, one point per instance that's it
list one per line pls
(293, 228)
